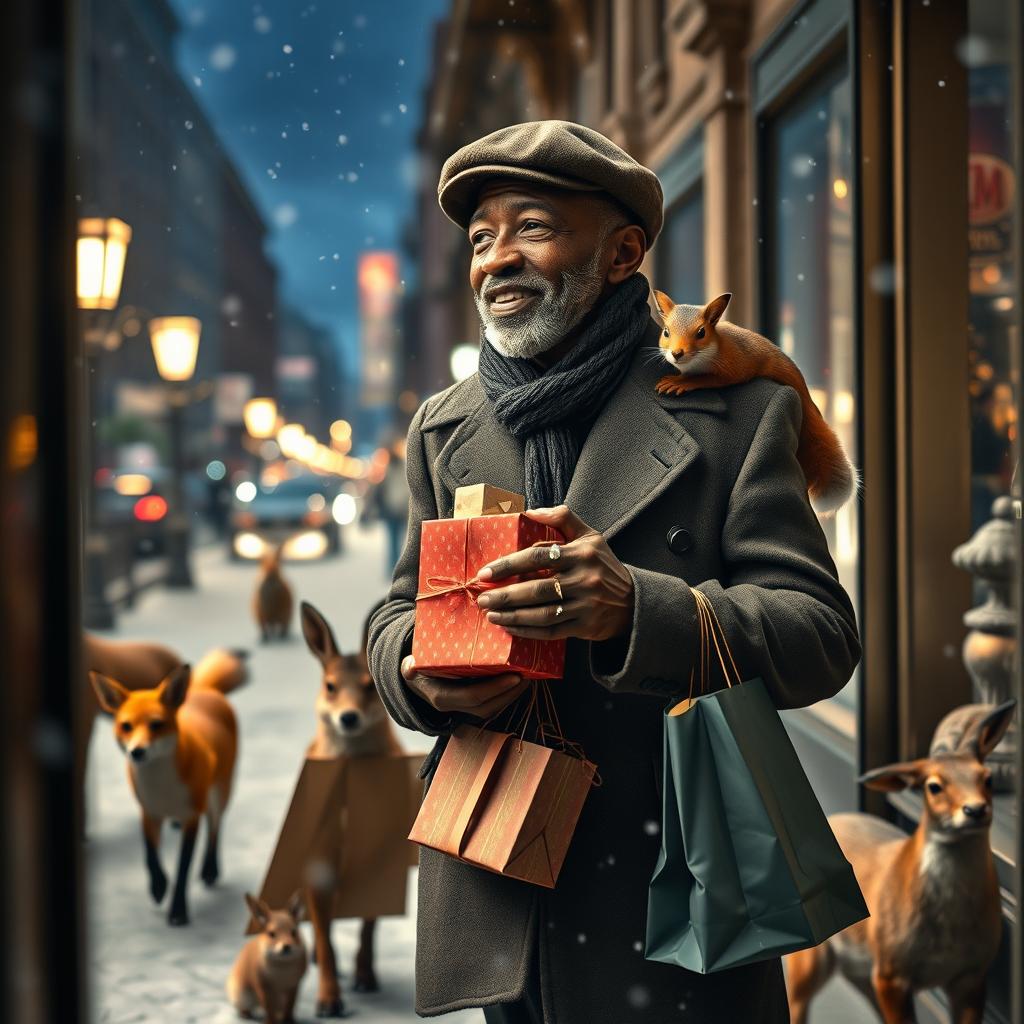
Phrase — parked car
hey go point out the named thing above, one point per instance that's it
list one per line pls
(298, 511)
(132, 507)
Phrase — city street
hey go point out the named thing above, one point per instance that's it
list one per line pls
(142, 971)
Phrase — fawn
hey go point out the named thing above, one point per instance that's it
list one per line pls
(351, 721)
(934, 897)
(271, 965)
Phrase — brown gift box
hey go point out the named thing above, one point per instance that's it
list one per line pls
(504, 804)
(348, 821)
(485, 500)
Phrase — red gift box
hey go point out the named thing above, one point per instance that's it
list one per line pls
(452, 635)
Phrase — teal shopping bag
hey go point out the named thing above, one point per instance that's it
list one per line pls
(749, 868)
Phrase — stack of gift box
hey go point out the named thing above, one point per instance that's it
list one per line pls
(496, 800)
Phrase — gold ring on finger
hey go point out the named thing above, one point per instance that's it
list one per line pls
(558, 610)
(558, 587)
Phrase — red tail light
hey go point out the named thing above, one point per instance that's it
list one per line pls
(150, 509)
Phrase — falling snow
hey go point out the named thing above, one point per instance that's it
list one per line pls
(285, 215)
(639, 997)
(223, 57)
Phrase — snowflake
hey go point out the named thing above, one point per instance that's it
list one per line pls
(288, 48)
(223, 57)
(261, 24)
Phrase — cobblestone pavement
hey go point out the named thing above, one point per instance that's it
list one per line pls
(142, 971)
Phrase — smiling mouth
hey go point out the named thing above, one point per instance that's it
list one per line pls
(507, 302)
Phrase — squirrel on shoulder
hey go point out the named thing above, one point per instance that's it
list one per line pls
(709, 352)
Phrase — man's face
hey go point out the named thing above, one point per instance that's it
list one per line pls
(540, 262)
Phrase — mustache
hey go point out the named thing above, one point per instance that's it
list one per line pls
(525, 281)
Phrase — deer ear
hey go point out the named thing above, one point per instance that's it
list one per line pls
(259, 910)
(297, 905)
(111, 695)
(716, 307)
(893, 777)
(173, 690)
(665, 304)
(319, 637)
(990, 730)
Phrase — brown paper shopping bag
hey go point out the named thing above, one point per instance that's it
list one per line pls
(504, 804)
(347, 827)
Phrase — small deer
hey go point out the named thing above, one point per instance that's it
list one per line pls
(934, 897)
(269, 969)
(273, 603)
(351, 721)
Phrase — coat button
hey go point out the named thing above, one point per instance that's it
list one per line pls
(679, 540)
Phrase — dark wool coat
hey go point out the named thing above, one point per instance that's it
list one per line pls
(721, 465)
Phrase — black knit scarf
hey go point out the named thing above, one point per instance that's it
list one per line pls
(539, 406)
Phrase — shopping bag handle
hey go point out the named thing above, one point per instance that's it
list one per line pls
(711, 627)
(458, 837)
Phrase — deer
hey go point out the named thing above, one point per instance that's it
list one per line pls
(351, 722)
(933, 895)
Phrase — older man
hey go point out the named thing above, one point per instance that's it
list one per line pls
(656, 495)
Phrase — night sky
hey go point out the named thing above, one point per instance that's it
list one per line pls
(318, 105)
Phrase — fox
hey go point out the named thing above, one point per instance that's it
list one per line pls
(706, 351)
(272, 602)
(352, 722)
(270, 967)
(138, 664)
(180, 740)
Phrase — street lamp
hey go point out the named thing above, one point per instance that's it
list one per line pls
(100, 253)
(175, 347)
(289, 438)
(260, 415)
(463, 361)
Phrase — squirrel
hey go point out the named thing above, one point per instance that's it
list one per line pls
(709, 352)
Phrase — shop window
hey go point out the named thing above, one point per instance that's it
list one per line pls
(681, 250)
(807, 281)
(994, 380)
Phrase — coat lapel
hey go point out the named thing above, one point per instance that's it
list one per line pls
(635, 449)
(480, 451)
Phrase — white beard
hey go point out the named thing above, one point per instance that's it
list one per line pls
(557, 312)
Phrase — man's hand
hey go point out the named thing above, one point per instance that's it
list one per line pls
(481, 698)
(596, 588)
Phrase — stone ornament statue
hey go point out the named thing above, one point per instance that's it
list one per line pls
(990, 646)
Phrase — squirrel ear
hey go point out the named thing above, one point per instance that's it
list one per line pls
(716, 307)
(665, 304)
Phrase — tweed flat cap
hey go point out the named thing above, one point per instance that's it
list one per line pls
(559, 154)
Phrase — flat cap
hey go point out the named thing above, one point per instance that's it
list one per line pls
(559, 154)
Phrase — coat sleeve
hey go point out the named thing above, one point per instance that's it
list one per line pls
(390, 627)
(783, 610)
